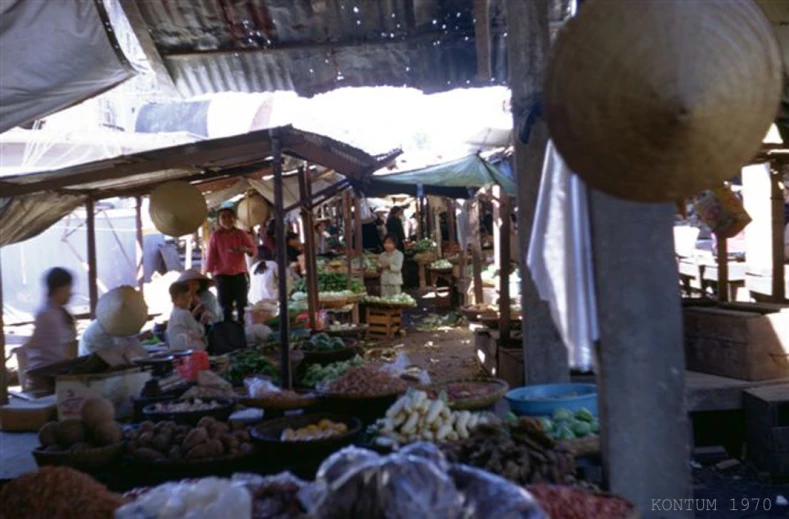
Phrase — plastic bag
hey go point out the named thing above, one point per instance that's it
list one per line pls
(401, 366)
(487, 495)
(428, 451)
(342, 462)
(259, 386)
(274, 497)
(257, 334)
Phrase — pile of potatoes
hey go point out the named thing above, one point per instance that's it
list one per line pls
(167, 441)
(96, 427)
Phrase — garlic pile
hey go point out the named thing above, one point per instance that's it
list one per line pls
(415, 417)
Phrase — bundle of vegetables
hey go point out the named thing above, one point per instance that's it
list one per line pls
(402, 299)
(519, 451)
(563, 502)
(415, 417)
(322, 342)
(564, 425)
(424, 245)
(246, 363)
(441, 264)
(331, 282)
(317, 374)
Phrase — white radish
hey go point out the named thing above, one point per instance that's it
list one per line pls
(410, 424)
(418, 397)
(433, 412)
(400, 419)
(452, 436)
(443, 432)
(462, 420)
(388, 425)
(472, 421)
(396, 408)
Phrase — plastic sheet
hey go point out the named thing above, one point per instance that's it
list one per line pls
(416, 482)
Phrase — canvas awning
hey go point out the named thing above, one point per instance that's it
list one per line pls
(456, 179)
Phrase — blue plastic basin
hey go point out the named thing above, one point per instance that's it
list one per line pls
(542, 400)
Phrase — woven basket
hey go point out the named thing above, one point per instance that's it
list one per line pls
(278, 404)
(332, 303)
(660, 102)
(587, 446)
(89, 460)
(479, 402)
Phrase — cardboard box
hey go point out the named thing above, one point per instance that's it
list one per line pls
(119, 387)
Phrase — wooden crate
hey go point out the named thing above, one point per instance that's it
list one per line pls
(767, 427)
(384, 321)
(511, 368)
(485, 350)
(744, 341)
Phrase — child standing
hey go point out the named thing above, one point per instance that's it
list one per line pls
(391, 265)
(183, 330)
(226, 262)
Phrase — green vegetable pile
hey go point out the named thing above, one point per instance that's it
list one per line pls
(247, 363)
(399, 300)
(322, 343)
(441, 264)
(331, 282)
(424, 245)
(317, 374)
(564, 425)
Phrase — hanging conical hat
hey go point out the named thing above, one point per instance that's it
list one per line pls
(122, 311)
(177, 208)
(657, 100)
(253, 209)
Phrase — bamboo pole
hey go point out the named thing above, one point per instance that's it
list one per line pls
(777, 200)
(284, 319)
(309, 249)
(93, 276)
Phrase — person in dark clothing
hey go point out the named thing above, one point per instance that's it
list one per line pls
(394, 226)
(370, 239)
(294, 247)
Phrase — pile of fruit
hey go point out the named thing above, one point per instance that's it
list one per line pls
(322, 430)
(96, 427)
(321, 342)
(402, 299)
(566, 425)
(364, 382)
(317, 374)
(415, 417)
(167, 441)
(247, 363)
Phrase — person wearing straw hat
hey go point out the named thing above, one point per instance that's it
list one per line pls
(204, 305)
(227, 251)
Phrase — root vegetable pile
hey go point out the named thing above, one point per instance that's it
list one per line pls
(520, 452)
(415, 417)
(576, 503)
(166, 441)
(365, 381)
(57, 492)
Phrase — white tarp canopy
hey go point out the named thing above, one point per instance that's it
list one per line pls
(54, 55)
(290, 189)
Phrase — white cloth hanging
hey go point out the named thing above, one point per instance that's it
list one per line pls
(560, 258)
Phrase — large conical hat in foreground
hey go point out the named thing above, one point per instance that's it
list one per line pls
(122, 311)
(658, 100)
(177, 208)
(253, 209)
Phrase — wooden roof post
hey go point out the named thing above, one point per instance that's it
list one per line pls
(139, 249)
(777, 200)
(722, 246)
(309, 247)
(3, 373)
(93, 276)
(347, 233)
(282, 264)
(544, 353)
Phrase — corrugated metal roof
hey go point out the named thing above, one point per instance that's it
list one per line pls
(313, 46)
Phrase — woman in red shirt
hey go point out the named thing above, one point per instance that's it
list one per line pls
(227, 264)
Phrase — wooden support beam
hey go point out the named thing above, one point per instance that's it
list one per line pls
(282, 265)
(777, 203)
(476, 252)
(93, 275)
(505, 227)
(3, 372)
(544, 353)
(357, 217)
(723, 269)
(139, 242)
(309, 249)
(451, 221)
(482, 39)
(645, 440)
(348, 233)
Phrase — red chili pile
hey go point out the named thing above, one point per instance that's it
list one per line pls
(576, 503)
(57, 492)
(365, 381)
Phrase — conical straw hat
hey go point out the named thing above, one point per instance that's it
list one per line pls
(177, 208)
(658, 100)
(253, 210)
(122, 311)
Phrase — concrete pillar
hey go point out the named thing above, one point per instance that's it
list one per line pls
(640, 354)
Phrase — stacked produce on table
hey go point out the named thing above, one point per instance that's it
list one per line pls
(402, 299)
(441, 264)
(248, 363)
(332, 282)
(424, 245)
(518, 451)
(317, 374)
(96, 427)
(167, 441)
(322, 342)
(416, 417)
(566, 425)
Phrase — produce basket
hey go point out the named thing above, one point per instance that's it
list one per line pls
(333, 302)
(368, 408)
(268, 435)
(381, 304)
(425, 257)
(169, 470)
(88, 460)
(303, 401)
(473, 314)
(327, 357)
(587, 446)
(482, 392)
(355, 331)
(221, 413)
